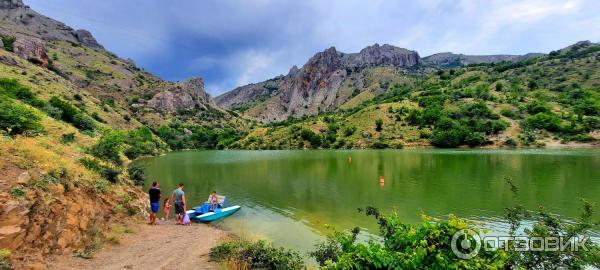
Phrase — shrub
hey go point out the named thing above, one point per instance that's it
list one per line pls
(348, 131)
(379, 145)
(67, 138)
(68, 111)
(4, 262)
(508, 113)
(404, 246)
(378, 125)
(18, 119)
(17, 192)
(8, 42)
(111, 174)
(109, 147)
(510, 142)
(137, 175)
(84, 122)
(547, 121)
(256, 255)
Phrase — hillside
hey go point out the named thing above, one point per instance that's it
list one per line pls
(545, 100)
(72, 117)
(331, 79)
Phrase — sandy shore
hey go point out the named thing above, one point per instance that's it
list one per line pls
(164, 246)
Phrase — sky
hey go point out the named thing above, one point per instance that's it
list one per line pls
(230, 43)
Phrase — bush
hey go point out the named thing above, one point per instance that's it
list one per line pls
(452, 137)
(4, 262)
(84, 122)
(378, 125)
(403, 246)
(18, 119)
(67, 138)
(256, 255)
(8, 42)
(137, 175)
(547, 121)
(109, 147)
(349, 131)
(17, 192)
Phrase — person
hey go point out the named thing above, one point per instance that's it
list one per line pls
(155, 194)
(166, 208)
(178, 197)
(213, 199)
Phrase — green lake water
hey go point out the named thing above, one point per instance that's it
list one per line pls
(292, 197)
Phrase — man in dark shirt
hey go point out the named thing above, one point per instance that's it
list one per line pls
(155, 195)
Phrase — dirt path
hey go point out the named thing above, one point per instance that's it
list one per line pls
(165, 246)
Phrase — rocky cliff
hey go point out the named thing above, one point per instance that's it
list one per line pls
(19, 19)
(315, 87)
(184, 96)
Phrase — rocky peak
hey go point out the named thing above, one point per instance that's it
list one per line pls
(183, 96)
(293, 71)
(8, 4)
(384, 55)
(326, 61)
(17, 17)
(195, 87)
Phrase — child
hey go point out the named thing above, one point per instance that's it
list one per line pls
(166, 208)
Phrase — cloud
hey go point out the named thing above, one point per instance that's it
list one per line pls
(235, 42)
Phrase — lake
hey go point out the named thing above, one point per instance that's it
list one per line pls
(294, 198)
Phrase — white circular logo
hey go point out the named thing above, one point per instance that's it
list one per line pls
(466, 244)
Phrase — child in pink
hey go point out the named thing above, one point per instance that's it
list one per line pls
(166, 208)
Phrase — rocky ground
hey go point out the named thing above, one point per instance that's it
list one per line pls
(165, 246)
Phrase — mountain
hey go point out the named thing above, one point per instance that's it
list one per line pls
(546, 100)
(451, 60)
(316, 86)
(72, 117)
(331, 79)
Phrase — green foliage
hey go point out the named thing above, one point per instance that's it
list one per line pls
(67, 138)
(256, 255)
(109, 147)
(349, 131)
(70, 114)
(4, 262)
(378, 125)
(17, 192)
(8, 42)
(179, 136)
(18, 119)
(136, 174)
(549, 225)
(404, 246)
(141, 142)
(547, 121)
(13, 89)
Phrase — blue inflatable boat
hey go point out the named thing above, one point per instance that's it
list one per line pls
(203, 213)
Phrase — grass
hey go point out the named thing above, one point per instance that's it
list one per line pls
(117, 232)
(4, 262)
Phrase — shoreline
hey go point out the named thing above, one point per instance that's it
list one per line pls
(162, 246)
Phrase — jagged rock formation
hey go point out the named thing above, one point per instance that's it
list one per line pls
(19, 19)
(384, 55)
(183, 96)
(314, 87)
